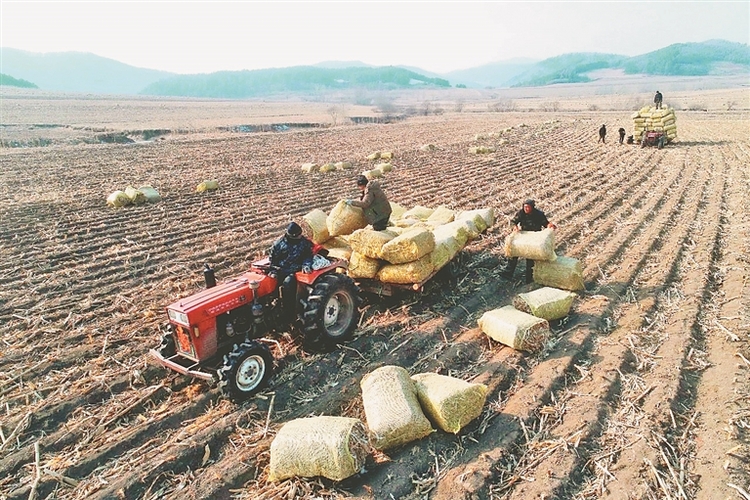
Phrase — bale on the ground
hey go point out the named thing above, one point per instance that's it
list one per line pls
(392, 409)
(373, 156)
(332, 447)
(547, 303)
(345, 219)
(343, 165)
(384, 167)
(408, 272)
(449, 402)
(515, 328)
(428, 147)
(315, 226)
(327, 167)
(563, 272)
(410, 246)
(207, 186)
(309, 167)
(372, 174)
(118, 199)
(386, 155)
(363, 267)
(369, 242)
(136, 196)
(535, 245)
(151, 194)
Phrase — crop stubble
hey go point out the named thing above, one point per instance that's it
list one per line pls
(622, 402)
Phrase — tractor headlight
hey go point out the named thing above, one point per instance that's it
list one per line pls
(257, 310)
(178, 317)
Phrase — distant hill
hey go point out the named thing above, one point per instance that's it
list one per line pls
(15, 82)
(496, 74)
(77, 72)
(690, 59)
(567, 68)
(244, 84)
(682, 59)
(85, 72)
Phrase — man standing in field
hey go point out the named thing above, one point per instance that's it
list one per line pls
(622, 134)
(373, 203)
(529, 218)
(602, 134)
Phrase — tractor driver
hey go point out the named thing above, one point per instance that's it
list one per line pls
(373, 202)
(529, 218)
(289, 254)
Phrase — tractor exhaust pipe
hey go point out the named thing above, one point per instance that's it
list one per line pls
(209, 276)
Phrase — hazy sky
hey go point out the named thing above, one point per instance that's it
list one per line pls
(202, 37)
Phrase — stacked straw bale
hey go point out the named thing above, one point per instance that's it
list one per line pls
(648, 119)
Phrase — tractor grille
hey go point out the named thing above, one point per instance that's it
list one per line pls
(183, 340)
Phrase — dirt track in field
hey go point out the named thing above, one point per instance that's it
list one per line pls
(643, 392)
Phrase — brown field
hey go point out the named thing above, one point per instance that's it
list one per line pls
(643, 391)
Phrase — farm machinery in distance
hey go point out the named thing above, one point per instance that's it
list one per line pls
(214, 334)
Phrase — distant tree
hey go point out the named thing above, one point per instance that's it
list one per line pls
(460, 86)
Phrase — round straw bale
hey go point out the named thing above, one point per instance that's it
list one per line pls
(418, 212)
(547, 303)
(363, 267)
(369, 242)
(535, 245)
(136, 196)
(409, 246)
(563, 272)
(515, 328)
(449, 402)
(118, 199)
(151, 194)
(392, 409)
(315, 226)
(332, 447)
(345, 219)
(408, 272)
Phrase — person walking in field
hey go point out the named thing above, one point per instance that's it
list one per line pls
(602, 134)
(529, 218)
(621, 131)
(657, 100)
(373, 203)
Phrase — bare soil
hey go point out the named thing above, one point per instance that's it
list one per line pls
(642, 392)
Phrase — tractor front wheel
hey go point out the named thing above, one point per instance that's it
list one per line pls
(330, 314)
(246, 370)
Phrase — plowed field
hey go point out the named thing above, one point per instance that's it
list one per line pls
(643, 391)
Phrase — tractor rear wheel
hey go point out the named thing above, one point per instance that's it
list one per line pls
(246, 370)
(330, 314)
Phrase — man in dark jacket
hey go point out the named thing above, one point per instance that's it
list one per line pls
(657, 99)
(602, 133)
(289, 254)
(373, 202)
(621, 131)
(529, 218)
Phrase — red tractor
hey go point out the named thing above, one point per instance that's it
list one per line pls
(213, 334)
(653, 138)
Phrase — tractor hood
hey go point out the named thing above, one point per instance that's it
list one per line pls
(219, 299)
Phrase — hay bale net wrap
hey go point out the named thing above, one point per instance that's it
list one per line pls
(648, 119)
(487, 215)
(207, 186)
(397, 210)
(408, 272)
(345, 219)
(332, 447)
(363, 267)
(457, 230)
(315, 226)
(137, 197)
(369, 242)
(151, 194)
(547, 303)
(534, 245)
(515, 328)
(394, 416)
(118, 199)
(409, 246)
(446, 248)
(449, 402)
(563, 272)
